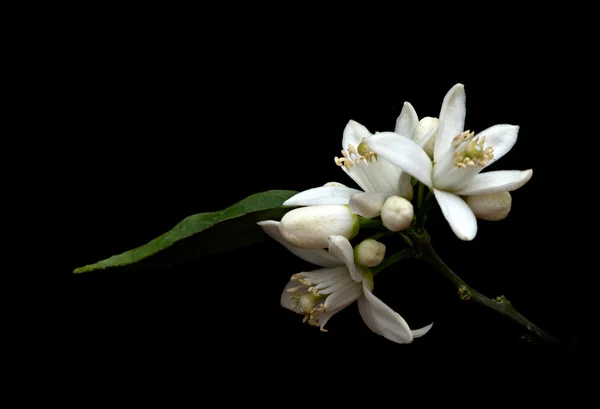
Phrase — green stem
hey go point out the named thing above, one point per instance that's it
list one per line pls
(381, 235)
(422, 206)
(394, 258)
(428, 203)
(420, 195)
(466, 292)
(370, 223)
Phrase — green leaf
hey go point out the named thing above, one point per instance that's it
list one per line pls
(203, 234)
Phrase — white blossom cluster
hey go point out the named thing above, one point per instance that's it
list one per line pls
(439, 153)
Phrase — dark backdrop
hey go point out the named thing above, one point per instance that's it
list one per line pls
(169, 126)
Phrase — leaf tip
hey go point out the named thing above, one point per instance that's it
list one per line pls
(80, 270)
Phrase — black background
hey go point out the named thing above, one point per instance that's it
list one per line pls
(174, 121)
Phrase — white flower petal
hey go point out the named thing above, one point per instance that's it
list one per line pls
(337, 302)
(323, 317)
(424, 141)
(382, 320)
(326, 276)
(287, 296)
(319, 257)
(383, 175)
(367, 204)
(353, 134)
(324, 195)
(404, 153)
(417, 333)
(496, 181)
(405, 188)
(458, 214)
(343, 297)
(359, 176)
(500, 137)
(452, 120)
(338, 283)
(339, 287)
(340, 247)
(449, 177)
(407, 121)
(365, 312)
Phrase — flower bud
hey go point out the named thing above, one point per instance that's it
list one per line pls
(367, 204)
(309, 227)
(369, 253)
(397, 213)
(493, 206)
(424, 126)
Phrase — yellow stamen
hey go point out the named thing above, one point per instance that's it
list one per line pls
(469, 152)
(352, 149)
(354, 156)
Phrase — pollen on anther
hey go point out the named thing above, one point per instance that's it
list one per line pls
(473, 153)
(345, 162)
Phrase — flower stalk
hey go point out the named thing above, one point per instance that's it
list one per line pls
(394, 258)
(426, 252)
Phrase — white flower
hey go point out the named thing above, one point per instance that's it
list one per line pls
(377, 177)
(320, 294)
(458, 159)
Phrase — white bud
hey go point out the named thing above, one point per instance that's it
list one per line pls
(309, 227)
(334, 184)
(367, 204)
(424, 126)
(493, 206)
(397, 213)
(369, 253)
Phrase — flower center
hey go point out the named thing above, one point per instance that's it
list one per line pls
(469, 152)
(307, 302)
(353, 156)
